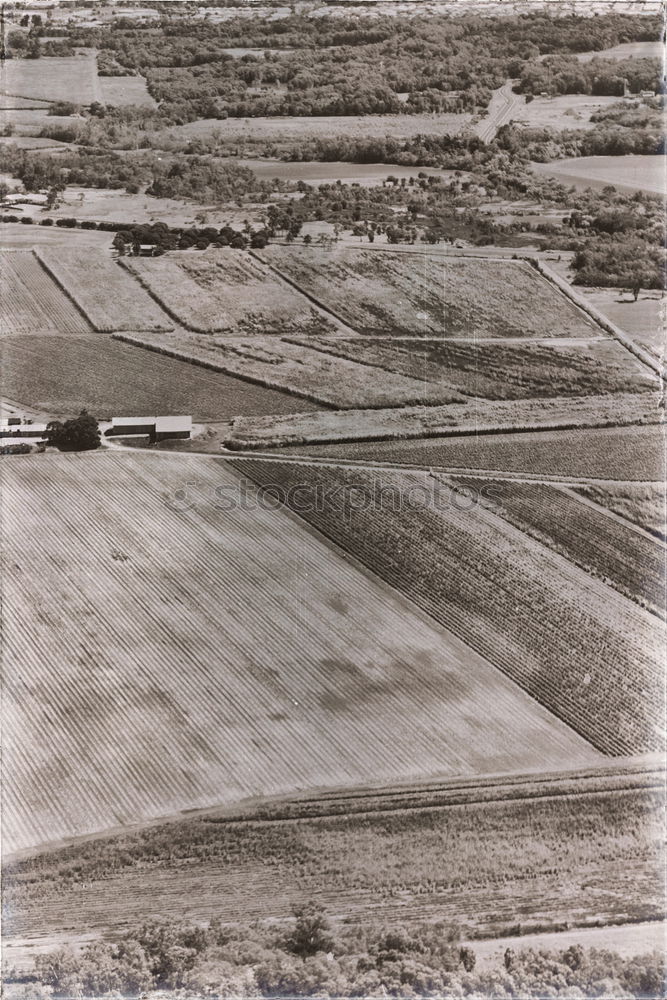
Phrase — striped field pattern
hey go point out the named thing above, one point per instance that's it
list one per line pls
(31, 302)
(162, 659)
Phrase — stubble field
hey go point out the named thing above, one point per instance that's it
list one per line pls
(349, 679)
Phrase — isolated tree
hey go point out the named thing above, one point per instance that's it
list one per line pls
(78, 434)
(311, 933)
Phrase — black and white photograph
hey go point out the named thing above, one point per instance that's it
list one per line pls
(332, 499)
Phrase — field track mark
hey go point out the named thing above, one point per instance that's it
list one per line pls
(311, 298)
(344, 463)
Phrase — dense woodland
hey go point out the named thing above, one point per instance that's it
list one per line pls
(350, 65)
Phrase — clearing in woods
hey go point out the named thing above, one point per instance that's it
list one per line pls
(167, 646)
(381, 293)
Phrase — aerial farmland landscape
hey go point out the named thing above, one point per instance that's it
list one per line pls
(333, 499)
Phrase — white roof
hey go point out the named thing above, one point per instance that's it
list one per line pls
(173, 424)
(132, 421)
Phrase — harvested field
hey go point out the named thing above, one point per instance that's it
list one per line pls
(567, 111)
(501, 370)
(474, 416)
(52, 78)
(305, 373)
(601, 545)
(103, 291)
(32, 303)
(287, 130)
(621, 453)
(591, 656)
(626, 173)
(223, 291)
(61, 375)
(122, 90)
(483, 866)
(644, 321)
(13, 237)
(642, 505)
(383, 293)
(218, 703)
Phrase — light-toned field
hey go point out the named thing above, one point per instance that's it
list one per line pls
(228, 292)
(626, 173)
(31, 301)
(52, 78)
(315, 172)
(109, 205)
(122, 90)
(384, 293)
(643, 505)
(103, 291)
(34, 142)
(236, 652)
(26, 121)
(501, 370)
(643, 320)
(300, 370)
(17, 237)
(565, 112)
(474, 416)
(627, 50)
(633, 453)
(289, 129)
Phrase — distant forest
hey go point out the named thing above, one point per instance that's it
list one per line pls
(354, 65)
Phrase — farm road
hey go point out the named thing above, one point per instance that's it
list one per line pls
(503, 105)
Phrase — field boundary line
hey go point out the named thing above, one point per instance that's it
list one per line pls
(64, 290)
(620, 335)
(307, 295)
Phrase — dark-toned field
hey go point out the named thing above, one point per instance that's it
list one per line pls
(616, 453)
(591, 656)
(62, 375)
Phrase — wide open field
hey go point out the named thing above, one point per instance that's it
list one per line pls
(616, 453)
(590, 655)
(626, 173)
(485, 859)
(122, 90)
(52, 78)
(61, 375)
(224, 291)
(381, 293)
(236, 652)
(565, 112)
(249, 130)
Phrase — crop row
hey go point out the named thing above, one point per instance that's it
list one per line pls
(626, 560)
(589, 655)
(156, 635)
(32, 302)
(102, 291)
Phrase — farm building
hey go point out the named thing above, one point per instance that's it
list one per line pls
(13, 428)
(157, 428)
